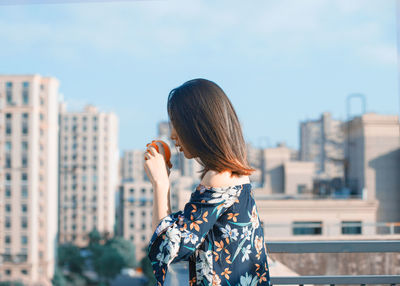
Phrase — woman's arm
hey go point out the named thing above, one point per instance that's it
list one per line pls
(161, 203)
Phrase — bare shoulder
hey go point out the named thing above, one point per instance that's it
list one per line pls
(214, 179)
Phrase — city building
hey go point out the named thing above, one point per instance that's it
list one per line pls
(373, 161)
(88, 173)
(281, 174)
(322, 142)
(28, 178)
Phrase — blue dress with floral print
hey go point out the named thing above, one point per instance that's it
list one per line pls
(219, 234)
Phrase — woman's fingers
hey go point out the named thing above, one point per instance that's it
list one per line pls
(152, 150)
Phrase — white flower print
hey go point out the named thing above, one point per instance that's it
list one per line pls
(204, 266)
(254, 218)
(246, 251)
(190, 236)
(229, 232)
(248, 280)
(226, 195)
(246, 233)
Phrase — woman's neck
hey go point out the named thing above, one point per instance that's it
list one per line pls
(223, 179)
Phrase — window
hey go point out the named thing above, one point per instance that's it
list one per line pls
(301, 189)
(307, 228)
(8, 208)
(9, 94)
(132, 191)
(143, 237)
(143, 226)
(24, 240)
(8, 124)
(25, 123)
(8, 178)
(132, 213)
(25, 93)
(143, 191)
(8, 191)
(7, 239)
(24, 222)
(8, 146)
(24, 191)
(8, 222)
(24, 146)
(8, 160)
(24, 177)
(24, 208)
(132, 225)
(351, 227)
(24, 161)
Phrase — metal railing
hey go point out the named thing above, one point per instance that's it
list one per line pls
(336, 247)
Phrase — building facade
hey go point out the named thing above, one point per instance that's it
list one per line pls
(373, 166)
(88, 173)
(28, 177)
(322, 142)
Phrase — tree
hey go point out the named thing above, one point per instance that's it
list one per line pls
(11, 283)
(58, 278)
(69, 257)
(126, 249)
(109, 264)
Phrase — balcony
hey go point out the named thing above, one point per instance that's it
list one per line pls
(178, 271)
(355, 246)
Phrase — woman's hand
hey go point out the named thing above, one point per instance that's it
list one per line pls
(155, 167)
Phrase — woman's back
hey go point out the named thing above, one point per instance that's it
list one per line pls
(222, 239)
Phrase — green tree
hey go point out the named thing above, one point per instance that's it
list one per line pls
(94, 237)
(58, 278)
(69, 257)
(11, 283)
(109, 264)
(126, 249)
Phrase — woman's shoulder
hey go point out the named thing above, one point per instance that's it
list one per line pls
(213, 179)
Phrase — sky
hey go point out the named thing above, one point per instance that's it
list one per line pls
(280, 62)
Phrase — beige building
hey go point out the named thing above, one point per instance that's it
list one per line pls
(282, 175)
(316, 219)
(88, 173)
(373, 151)
(28, 178)
(322, 142)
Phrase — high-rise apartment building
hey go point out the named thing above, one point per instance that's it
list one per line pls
(322, 142)
(88, 173)
(28, 178)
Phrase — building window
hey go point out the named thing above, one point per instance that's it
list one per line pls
(24, 222)
(24, 160)
(143, 237)
(9, 94)
(132, 225)
(24, 177)
(8, 123)
(351, 227)
(24, 272)
(25, 123)
(7, 272)
(7, 239)
(24, 208)
(8, 222)
(8, 178)
(301, 189)
(307, 228)
(25, 93)
(132, 213)
(8, 160)
(8, 208)
(8, 191)
(132, 191)
(143, 226)
(143, 191)
(24, 240)
(24, 192)
(8, 146)
(24, 146)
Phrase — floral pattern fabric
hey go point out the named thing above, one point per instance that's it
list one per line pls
(219, 234)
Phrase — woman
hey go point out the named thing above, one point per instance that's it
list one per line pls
(221, 238)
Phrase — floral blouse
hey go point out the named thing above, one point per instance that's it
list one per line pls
(219, 233)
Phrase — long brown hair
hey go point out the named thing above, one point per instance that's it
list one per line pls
(208, 127)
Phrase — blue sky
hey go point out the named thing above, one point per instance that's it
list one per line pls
(280, 62)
